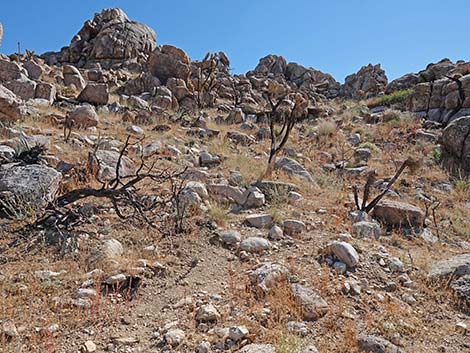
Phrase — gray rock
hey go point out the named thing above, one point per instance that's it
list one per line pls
(266, 276)
(230, 237)
(294, 198)
(255, 244)
(345, 253)
(294, 168)
(10, 106)
(207, 313)
(73, 77)
(456, 145)
(298, 328)
(276, 233)
(174, 337)
(374, 344)
(83, 116)
(394, 213)
(109, 249)
(456, 266)
(7, 154)
(95, 93)
(237, 333)
(207, 160)
(28, 187)
(110, 38)
(259, 220)
(364, 229)
(107, 162)
(313, 305)
(22, 87)
(168, 61)
(293, 227)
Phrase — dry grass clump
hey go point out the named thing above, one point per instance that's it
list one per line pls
(326, 128)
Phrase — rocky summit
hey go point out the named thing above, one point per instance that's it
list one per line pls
(154, 202)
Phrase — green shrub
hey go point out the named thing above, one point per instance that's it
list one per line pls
(389, 99)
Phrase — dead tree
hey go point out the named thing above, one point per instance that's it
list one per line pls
(206, 82)
(276, 95)
(410, 163)
(126, 194)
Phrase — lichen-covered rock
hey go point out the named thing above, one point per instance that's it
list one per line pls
(29, 187)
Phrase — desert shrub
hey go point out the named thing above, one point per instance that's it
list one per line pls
(326, 128)
(389, 99)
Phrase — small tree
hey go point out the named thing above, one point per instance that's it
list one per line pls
(277, 96)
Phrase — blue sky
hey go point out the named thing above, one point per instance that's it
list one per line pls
(335, 36)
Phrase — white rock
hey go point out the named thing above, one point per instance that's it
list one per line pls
(345, 253)
(174, 337)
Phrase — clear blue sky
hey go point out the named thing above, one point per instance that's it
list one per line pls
(335, 36)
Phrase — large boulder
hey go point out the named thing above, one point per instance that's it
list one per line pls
(105, 163)
(29, 187)
(73, 77)
(83, 116)
(369, 81)
(398, 214)
(10, 71)
(23, 87)
(456, 266)
(305, 77)
(455, 141)
(10, 106)
(294, 168)
(110, 38)
(95, 93)
(168, 61)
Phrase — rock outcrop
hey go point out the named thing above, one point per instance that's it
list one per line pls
(276, 66)
(455, 141)
(168, 61)
(368, 82)
(10, 106)
(109, 38)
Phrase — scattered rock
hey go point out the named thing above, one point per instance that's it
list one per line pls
(255, 244)
(397, 214)
(313, 305)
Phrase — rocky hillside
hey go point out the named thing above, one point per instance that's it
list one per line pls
(151, 202)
